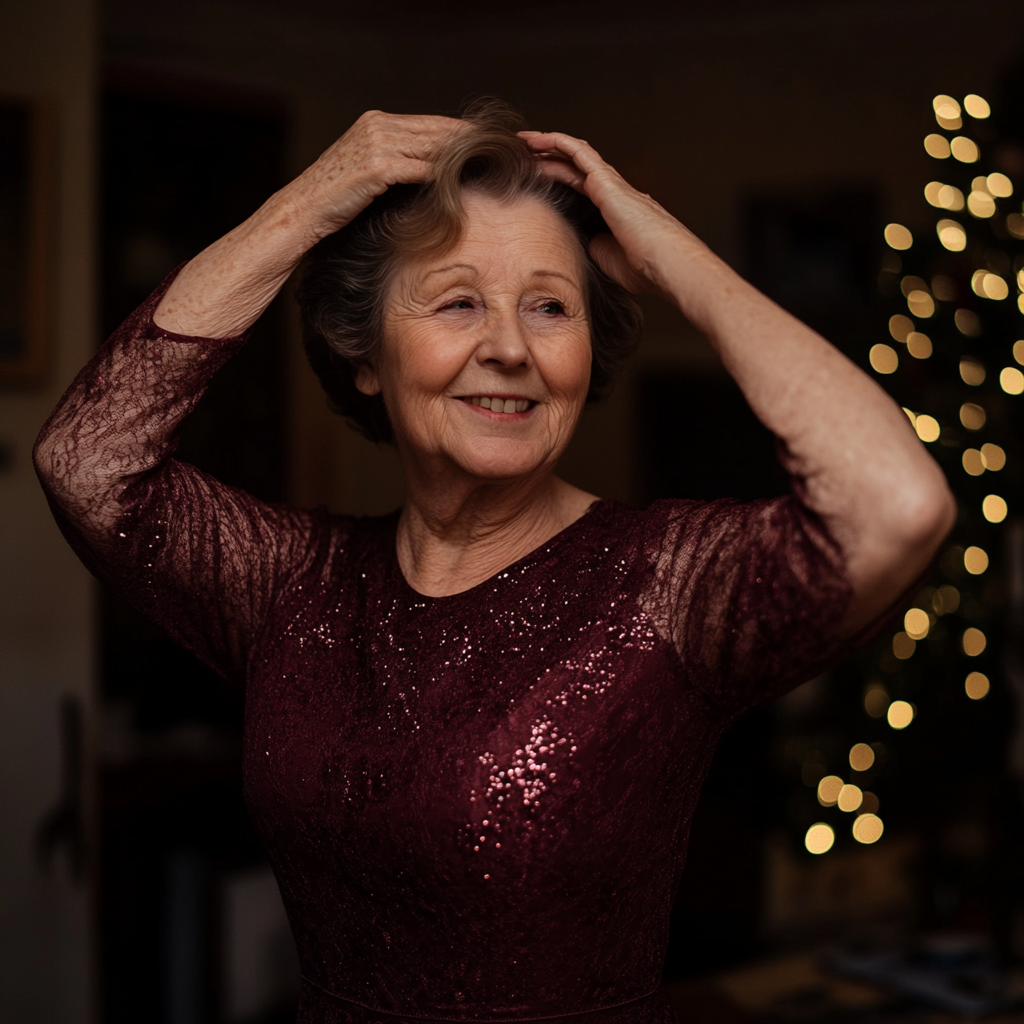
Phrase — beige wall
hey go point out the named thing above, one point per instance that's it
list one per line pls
(47, 50)
(699, 107)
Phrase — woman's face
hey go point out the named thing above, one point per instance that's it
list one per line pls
(485, 358)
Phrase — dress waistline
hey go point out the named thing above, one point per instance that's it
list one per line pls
(321, 1006)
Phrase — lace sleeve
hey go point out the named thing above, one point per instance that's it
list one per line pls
(749, 593)
(201, 558)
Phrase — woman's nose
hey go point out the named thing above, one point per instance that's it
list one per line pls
(505, 341)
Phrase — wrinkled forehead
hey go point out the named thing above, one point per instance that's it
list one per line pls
(503, 243)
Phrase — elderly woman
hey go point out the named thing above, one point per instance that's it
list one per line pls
(475, 730)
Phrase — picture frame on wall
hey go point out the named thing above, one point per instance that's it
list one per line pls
(24, 228)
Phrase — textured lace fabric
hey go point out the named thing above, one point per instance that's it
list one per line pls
(477, 806)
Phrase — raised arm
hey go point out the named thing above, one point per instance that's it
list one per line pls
(863, 469)
(201, 558)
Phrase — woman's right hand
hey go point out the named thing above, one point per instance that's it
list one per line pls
(378, 151)
(223, 290)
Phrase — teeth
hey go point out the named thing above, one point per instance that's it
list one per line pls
(507, 405)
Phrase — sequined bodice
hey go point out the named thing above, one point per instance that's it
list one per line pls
(476, 806)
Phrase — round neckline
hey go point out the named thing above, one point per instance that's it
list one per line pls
(556, 539)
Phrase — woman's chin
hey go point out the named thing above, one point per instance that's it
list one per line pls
(501, 459)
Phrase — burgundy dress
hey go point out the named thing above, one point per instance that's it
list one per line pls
(477, 806)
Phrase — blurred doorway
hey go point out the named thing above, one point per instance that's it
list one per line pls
(183, 883)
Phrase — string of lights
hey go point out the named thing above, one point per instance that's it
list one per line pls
(953, 363)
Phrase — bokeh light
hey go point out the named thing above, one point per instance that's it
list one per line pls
(999, 185)
(948, 597)
(921, 304)
(976, 106)
(972, 462)
(870, 804)
(935, 145)
(850, 798)
(1011, 380)
(967, 323)
(883, 359)
(988, 285)
(976, 685)
(993, 457)
(919, 345)
(981, 205)
(862, 757)
(946, 108)
(876, 700)
(972, 416)
(927, 428)
(974, 641)
(829, 789)
(868, 828)
(951, 235)
(903, 646)
(900, 714)
(964, 149)
(972, 372)
(994, 508)
(1015, 225)
(916, 623)
(820, 837)
(975, 560)
(900, 326)
(898, 236)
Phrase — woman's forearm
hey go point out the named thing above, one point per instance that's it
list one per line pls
(864, 469)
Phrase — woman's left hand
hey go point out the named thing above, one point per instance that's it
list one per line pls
(641, 228)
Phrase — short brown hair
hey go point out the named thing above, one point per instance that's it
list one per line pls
(344, 280)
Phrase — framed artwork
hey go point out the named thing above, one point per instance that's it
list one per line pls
(24, 229)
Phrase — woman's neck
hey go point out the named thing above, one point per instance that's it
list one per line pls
(448, 543)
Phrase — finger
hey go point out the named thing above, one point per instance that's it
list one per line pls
(586, 158)
(561, 170)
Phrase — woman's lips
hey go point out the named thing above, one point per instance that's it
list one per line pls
(498, 403)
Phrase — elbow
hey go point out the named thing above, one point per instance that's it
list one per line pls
(925, 513)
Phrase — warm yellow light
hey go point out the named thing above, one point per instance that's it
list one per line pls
(976, 685)
(921, 304)
(994, 287)
(1015, 225)
(994, 508)
(850, 798)
(900, 326)
(981, 204)
(980, 184)
(976, 106)
(975, 560)
(900, 714)
(1020, 303)
(972, 461)
(820, 837)
(898, 237)
(999, 185)
(883, 359)
(910, 414)
(972, 372)
(974, 642)
(964, 149)
(993, 457)
(967, 323)
(951, 198)
(946, 107)
(868, 828)
(935, 145)
(919, 345)
(828, 790)
(903, 646)
(876, 700)
(932, 191)
(1011, 380)
(927, 428)
(972, 416)
(951, 235)
(862, 757)
(949, 597)
(916, 623)
(1018, 352)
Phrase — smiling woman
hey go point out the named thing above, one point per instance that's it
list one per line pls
(476, 729)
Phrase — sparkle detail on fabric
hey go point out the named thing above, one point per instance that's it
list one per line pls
(477, 806)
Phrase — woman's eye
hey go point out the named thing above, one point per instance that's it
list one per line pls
(460, 304)
(552, 307)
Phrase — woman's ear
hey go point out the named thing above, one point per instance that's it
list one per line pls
(366, 379)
